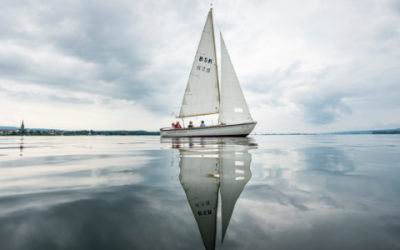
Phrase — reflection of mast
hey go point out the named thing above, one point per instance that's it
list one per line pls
(199, 179)
(22, 142)
(234, 175)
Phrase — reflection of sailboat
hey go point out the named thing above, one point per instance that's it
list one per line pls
(206, 170)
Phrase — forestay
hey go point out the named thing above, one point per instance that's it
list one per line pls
(234, 108)
(202, 90)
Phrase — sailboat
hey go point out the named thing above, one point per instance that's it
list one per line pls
(206, 171)
(203, 95)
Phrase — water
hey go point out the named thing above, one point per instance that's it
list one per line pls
(263, 192)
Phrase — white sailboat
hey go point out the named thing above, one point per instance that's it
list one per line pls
(204, 97)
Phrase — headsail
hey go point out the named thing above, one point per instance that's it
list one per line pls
(234, 108)
(202, 90)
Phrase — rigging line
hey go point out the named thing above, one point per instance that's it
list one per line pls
(216, 20)
(182, 90)
(219, 69)
(178, 99)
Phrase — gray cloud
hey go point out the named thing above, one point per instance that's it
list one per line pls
(323, 64)
(319, 109)
(109, 49)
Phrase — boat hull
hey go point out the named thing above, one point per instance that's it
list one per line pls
(243, 129)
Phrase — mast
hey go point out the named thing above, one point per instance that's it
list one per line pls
(215, 53)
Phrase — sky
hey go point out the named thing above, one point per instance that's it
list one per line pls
(304, 66)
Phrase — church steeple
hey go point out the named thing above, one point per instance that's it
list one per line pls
(22, 126)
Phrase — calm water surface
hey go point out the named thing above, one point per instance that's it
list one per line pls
(262, 192)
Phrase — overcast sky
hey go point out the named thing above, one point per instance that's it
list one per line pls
(304, 66)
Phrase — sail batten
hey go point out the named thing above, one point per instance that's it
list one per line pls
(202, 91)
(234, 107)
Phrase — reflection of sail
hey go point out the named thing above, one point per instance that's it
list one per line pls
(199, 179)
(234, 175)
(208, 166)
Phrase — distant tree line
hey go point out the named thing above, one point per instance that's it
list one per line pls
(386, 132)
(79, 133)
(290, 134)
(123, 133)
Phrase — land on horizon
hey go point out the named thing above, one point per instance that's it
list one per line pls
(9, 130)
(15, 131)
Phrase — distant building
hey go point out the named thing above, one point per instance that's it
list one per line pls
(22, 127)
(1, 132)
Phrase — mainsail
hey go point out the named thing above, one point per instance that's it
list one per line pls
(199, 179)
(202, 90)
(234, 108)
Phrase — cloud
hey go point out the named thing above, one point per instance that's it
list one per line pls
(316, 66)
(319, 109)
(92, 47)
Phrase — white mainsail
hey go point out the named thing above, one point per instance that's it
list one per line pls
(233, 108)
(202, 90)
(234, 175)
(199, 179)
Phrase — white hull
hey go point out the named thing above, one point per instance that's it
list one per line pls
(243, 129)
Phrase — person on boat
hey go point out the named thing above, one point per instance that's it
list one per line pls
(177, 125)
(190, 124)
(173, 125)
(202, 124)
